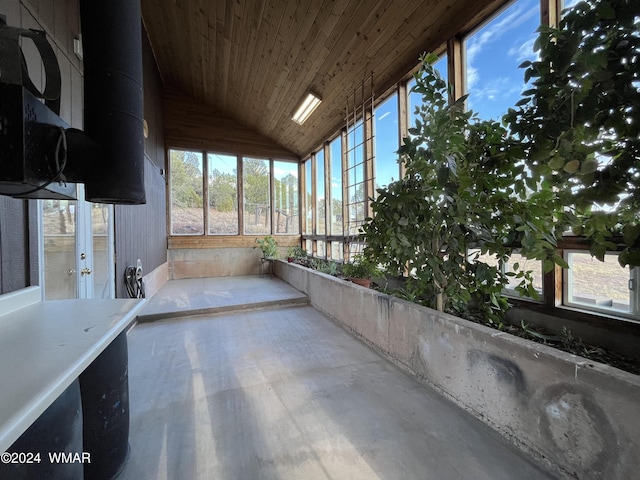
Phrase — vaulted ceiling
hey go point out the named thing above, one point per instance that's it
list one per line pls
(254, 60)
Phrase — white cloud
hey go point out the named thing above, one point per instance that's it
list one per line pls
(472, 77)
(496, 29)
(524, 51)
(384, 115)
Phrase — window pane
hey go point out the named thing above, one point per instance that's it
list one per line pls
(335, 150)
(187, 212)
(598, 285)
(257, 208)
(286, 197)
(223, 194)
(320, 197)
(308, 229)
(494, 53)
(415, 99)
(336, 251)
(525, 264)
(386, 142)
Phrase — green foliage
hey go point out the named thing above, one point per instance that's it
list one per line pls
(186, 179)
(223, 195)
(325, 266)
(361, 267)
(296, 253)
(579, 123)
(466, 187)
(268, 245)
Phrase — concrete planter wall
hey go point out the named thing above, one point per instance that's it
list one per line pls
(582, 418)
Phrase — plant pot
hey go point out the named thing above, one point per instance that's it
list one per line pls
(365, 282)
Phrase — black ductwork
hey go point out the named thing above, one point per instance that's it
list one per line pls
(113, 99)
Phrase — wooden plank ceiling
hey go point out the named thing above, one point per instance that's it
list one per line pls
(254, 60)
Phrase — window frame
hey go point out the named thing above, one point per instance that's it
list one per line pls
(567, 291)
(184, 238)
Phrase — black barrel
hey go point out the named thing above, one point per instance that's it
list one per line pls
(104, 386)
(51, 448)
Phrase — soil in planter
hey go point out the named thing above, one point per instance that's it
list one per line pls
(567, 343)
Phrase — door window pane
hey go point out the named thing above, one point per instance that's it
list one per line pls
(257, 207)
(223, 194)
(101, 218)
(60, 270)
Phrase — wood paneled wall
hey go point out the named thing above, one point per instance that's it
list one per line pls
(192, 125)
(141, 230)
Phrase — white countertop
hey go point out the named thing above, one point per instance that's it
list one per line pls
(44, 347)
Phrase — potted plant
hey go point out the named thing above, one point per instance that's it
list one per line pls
(361, 270)
(294, 254)
(268, 246)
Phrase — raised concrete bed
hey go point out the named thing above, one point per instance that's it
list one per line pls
(580, 417)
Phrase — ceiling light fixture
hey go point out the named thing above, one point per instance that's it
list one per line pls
(306, 108)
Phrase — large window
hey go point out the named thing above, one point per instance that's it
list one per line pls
(308, 195)
(320, 195)
(223, 194)
(494, 52)
(186, 184)
(386, 141)
(335, 152)
(415, 98)
(255, 186)
(285, 197)
(356, 188)
(226, 208)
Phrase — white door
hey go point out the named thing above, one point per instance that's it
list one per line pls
(77, 251)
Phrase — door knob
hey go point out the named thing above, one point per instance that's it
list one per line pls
(85, 271)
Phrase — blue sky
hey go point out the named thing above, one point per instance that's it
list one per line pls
(494, 81)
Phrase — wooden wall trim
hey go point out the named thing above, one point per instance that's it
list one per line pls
(194, 126)
(224, 241)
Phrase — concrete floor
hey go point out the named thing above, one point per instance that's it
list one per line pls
(197, 296)
(285, 393)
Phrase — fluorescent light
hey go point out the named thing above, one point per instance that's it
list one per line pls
(306, 108)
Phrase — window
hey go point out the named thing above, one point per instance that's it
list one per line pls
(356, 194)
(524, 264)
(415, 99)
(386, 141)
(320, 195)
(308, 192)
(494, 53)
(285, 197)
(186, 184)
(600, 286)
(219, 214)
(223, 194)
(255, 186)
(335, 153)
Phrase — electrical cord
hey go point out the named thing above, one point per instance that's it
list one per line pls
(133, 281)
(62, 142)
